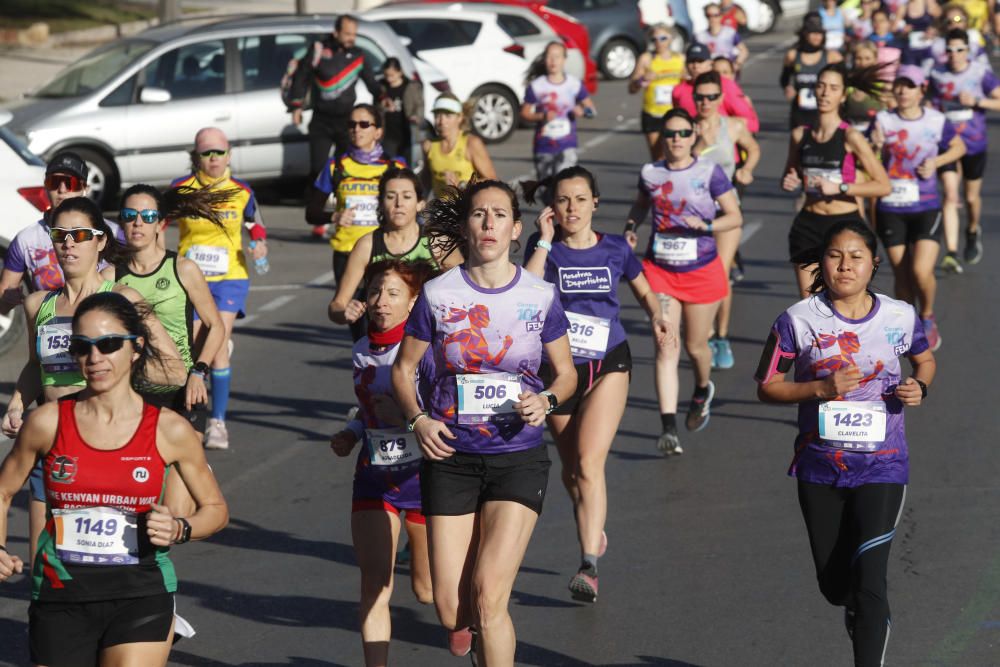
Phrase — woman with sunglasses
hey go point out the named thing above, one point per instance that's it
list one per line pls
(554, 100)
(386, 476)
(586, 267)
(174, 285)
(103, 584)
(726, 142)
(801, 70)
(655, 75)
(352, 178)
(451, 159)
(690, 198)
(844, 345)
(81, 238)
(485, 467)
(720, 39)
(399, 236)
(824, 160)
(217, 249)
(954, 17)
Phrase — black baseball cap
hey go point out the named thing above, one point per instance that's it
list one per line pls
(698, 51)
(67, 163)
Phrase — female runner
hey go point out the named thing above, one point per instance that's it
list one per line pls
(107, 601)
(485, 469)
(801, 70)
(452, 158)
(656, 73)
(844, 343)
(824, 160)
(915, 141)
(586, 267)
(386, 479)
(398, 236)
(690, 199)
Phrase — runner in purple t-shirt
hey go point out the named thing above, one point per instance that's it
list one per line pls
(915, 141)
(553, 102)
(586, 267)
(485, 468)
(844, 344)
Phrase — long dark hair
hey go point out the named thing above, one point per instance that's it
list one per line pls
(530, 189)
(870, 80)
(133, 318)
(184, 201)
(391, 174)
(816, 254)
(114, 251)
(537, 66)
(446, 216)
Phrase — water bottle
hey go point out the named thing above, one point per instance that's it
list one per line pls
(261, 265)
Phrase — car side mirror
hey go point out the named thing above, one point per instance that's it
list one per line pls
(151, 95)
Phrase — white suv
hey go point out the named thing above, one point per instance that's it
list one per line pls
(485, 51)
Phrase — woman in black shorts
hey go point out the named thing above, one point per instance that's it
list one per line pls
(825, 161)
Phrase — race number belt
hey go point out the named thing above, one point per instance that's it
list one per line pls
(52, 346)
(674, 249)
(588, 335)
(96, 536)
(392, 448)
(852, 425)
(557, 128)
(485, 396)
(905, 191)
(212, 260)
(365, 209)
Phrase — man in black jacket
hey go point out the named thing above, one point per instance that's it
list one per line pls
(330, 71)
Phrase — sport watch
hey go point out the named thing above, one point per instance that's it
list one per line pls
(923, 387)
(185, 530)
(202, 369)
(843, 188)
(553, 401)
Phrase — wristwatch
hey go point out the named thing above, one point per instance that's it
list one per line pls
(185, 530)
(843, 188)
(923, 387)
(553, 401)
(202, 369)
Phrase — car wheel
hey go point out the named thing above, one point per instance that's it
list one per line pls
(103, 177)
(618, 58)
(495, 113)
(11, 325)
(768, 17)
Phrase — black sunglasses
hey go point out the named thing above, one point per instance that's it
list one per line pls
(148, 215)
(711, 97)
(683, 134)
(80, 346)
(363, 124)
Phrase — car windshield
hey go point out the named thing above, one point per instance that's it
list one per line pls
(95, 69)
(9, 138)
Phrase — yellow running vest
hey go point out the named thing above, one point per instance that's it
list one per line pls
(457, 161)
(664, 75)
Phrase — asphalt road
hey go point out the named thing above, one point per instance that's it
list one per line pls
(708, 561)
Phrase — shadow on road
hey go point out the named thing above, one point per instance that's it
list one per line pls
(243, 534)
(183, 658)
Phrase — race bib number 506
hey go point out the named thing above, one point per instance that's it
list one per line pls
(485, 396)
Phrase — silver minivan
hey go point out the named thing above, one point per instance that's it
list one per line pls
(131, 108)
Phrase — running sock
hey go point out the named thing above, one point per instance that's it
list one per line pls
(589, 563)
(220, 392)
(668, 421)
(701, 393)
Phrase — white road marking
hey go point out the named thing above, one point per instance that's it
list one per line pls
(276, 303)
(749, 230)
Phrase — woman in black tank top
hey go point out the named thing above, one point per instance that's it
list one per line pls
(802, 67)
(824, 160)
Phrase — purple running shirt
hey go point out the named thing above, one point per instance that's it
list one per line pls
(945, 87)
(559, 133)
(907, 144)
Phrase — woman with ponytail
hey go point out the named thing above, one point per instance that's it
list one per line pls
(824, 160)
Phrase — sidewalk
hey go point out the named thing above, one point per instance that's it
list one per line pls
(26, 68)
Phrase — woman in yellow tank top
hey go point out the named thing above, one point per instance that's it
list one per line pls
(455, 155)
(656, 74)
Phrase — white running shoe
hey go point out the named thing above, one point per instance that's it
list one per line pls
(216, 435)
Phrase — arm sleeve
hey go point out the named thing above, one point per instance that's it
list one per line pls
(357, 427)
(302, 78)
(556, 324)
(420, 324)
(253, 221)
(779, 352)
(719, 184)
(737, 105)
(324, 180)
(15, 258)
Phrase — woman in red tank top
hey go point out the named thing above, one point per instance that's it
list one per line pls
(104, 552)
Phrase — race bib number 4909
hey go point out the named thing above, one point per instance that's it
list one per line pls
(96, 536)
(483, 397)
(852, 425)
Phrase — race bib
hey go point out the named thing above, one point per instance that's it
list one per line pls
(918, 40)
(557, 128)
(905, 191)
(834, 39)
(52, 346)
(588, 335)
(959, 115)
(485, 396)
(663, 94)
(212, 260)
(807, 99)
(96, 536)
(392, 448)
(365, 209)
(673, 249)
(813, 175)
(852, 425)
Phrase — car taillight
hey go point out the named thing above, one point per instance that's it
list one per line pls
(416, 76)
(441, 86)
(37, 197)
(516, 49)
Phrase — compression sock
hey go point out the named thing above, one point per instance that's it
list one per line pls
(220, 392)
(701, 393)
(589, 563)
(668, 421)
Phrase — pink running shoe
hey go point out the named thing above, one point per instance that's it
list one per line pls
(583, 586)
(460, 642)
